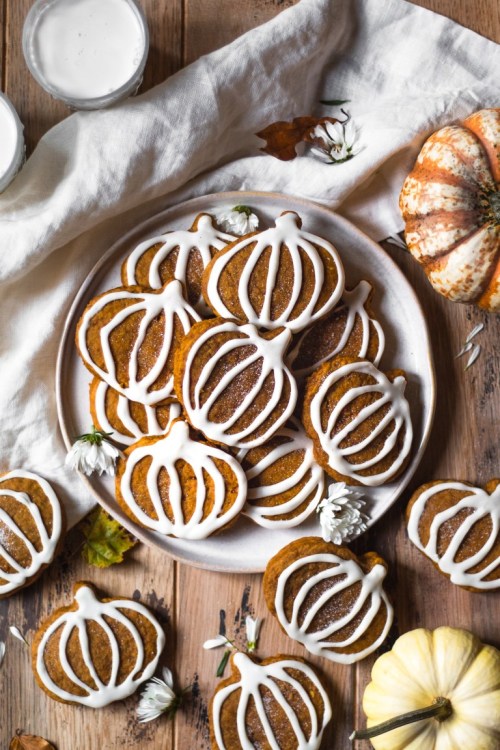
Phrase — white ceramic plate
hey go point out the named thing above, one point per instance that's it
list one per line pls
(246, 547)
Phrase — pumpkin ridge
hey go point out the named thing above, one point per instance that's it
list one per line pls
(430, 263)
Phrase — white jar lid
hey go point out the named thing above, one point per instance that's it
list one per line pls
(12, 148)
(88, 53)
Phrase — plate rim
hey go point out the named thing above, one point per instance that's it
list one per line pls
(188, 205)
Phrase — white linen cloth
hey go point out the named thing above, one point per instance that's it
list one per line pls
(405, 70)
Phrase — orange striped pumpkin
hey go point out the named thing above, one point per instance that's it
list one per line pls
(450, 202)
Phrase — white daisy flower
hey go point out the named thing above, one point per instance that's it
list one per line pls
(252, 627)
(336, 142)
(158, 697)
(238, 220)
(340, 514)
(93, 452)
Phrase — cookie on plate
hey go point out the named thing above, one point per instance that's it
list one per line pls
(180, 254)
(457, 526)
(282, 276)
(128, 337)
(278, 703)
(285, 483)
(350, 329)
(359, 421)
(180, 486)
(326, 598)
(96, 651)
(126, 420)
(232, 382)
(31, 526)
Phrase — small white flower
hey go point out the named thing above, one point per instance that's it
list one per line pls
(252, 629)
(238, 220)
(340, 514)
(338, 141)
(2, 652)
(17, 634)
(93, 452)
(158, 697)
(217, 642)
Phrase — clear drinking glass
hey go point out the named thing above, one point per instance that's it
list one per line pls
(49, 74)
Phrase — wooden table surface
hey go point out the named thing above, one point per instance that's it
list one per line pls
(193, 604)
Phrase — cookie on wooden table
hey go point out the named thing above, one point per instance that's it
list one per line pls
(359, 421)
(128, 337)
(180, 486)
(326, 598)
(285, 483)
(96, 651)
(278, 703)
(126, 420)
(282, 276)
(179, 254)
(31, 526)
(232, 382)
(457, 526)
(350, 330)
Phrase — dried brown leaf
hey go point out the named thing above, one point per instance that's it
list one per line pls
(282, 137)
(29, 742)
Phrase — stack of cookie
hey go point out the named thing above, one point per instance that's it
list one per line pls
(242, 377)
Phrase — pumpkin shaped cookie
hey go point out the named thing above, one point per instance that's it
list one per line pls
(31, 525)
(359, 421)
(232, 382)
(96, 651)
(349, 330)
(178, 254)
(277, 703)
(326, 598)
(285, 484)
(128, 337)
(179, 486)
(281, 276)
(457, 526)
(450, 202)
(126, 420)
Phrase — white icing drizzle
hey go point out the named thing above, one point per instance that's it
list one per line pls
(126, 418)
(296, 441)
(316, 641)
(481, 504)
(354, 301)
(254, 677)
(286, 232)
(205, 239)
(90, 608)
(178, 445)
(48, 540)
(270, 352)
(171, 303)
(398, 414)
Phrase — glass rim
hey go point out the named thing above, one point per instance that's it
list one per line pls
(97, 102)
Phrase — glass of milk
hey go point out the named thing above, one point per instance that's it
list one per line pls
(88, 53)
(12, 150)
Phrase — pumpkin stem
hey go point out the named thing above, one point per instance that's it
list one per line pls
(441, 709)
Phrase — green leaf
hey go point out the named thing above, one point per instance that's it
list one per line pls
(334, 102)
(106, 541)
(223, 663)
